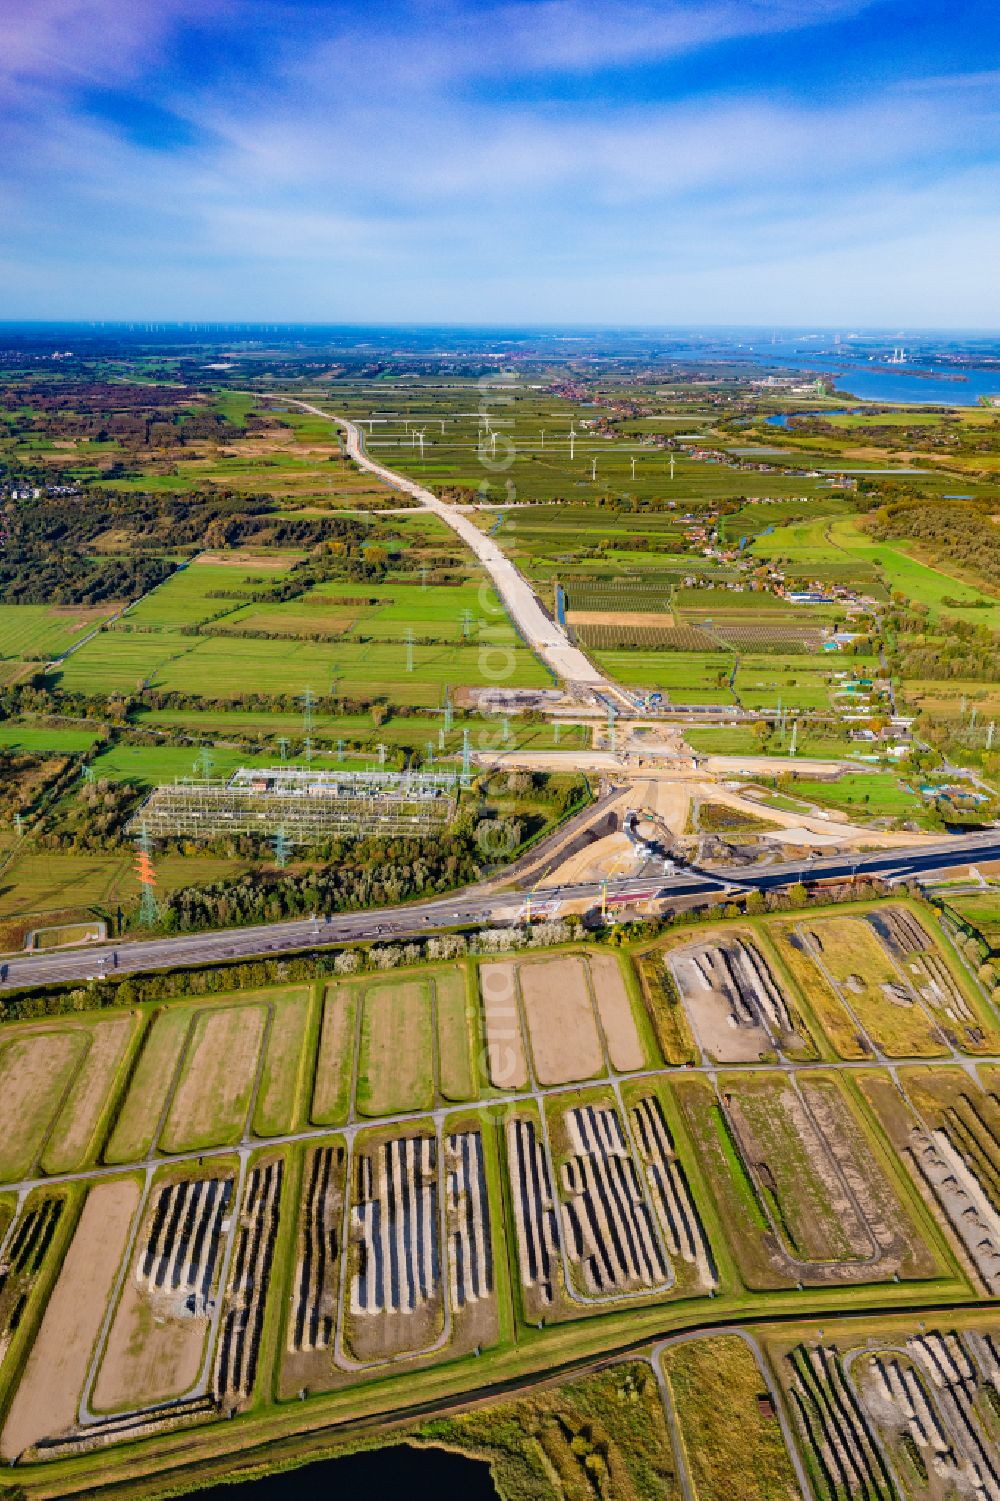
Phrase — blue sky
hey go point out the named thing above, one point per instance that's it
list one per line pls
(827, 162)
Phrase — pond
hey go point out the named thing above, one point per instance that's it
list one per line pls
(376, 1475)
(781, 419)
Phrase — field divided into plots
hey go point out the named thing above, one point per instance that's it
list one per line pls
(896, 1408)
(288, 1194)
(204, 632)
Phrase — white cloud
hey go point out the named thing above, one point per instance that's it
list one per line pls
(52, 42)
(364, 176)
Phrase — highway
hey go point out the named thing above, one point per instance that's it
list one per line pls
(475, 906)
(542, 634)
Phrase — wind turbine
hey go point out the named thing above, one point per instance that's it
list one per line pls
(671, 466)
(420, 440)
(572, 440)
(593, 470)
(633, 468)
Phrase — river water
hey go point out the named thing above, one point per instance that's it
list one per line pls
(936, 384)
(376, 1475)
(898, 385)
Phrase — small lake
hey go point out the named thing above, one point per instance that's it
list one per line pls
(376, 1475)
(782, 419)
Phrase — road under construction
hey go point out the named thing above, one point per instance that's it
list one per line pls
(481, 905)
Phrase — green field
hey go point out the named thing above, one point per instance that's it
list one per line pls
(33, 633)
(981, 909)
(38, 738)
(183, 599)
(148, 765)
(224, 668)
(412, 730)
(864, 794)
(685, 677)
(740, 740)
(842, 542)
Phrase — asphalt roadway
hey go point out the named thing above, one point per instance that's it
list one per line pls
(475, 906)
(544, 635)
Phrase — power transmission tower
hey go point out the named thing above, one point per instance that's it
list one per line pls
(146, 875)
(381, 753)
(466, 623)
(205, 762)
(466, 756)
(283, 747)
(409, 648)
(281, 848)
(308, 704)
(430, 753)
(555, 732)
(447, 711)
(340, 750)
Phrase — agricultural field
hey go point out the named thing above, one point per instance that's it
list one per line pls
(863, 795)
(327, 1188)
(534, 429)
(885, 986)
(727, 1420)
(819, 742)
(763, 516)
(558, 1021)
(738, 1009)
(842, 541)
(40, 633)
(229, 667)
(222, 668)
(360, 732)
(682, 677)
(34, 739)
(41, 885)
(301, 1205)
(900, 1408)
(204, 591)
(981, 910)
